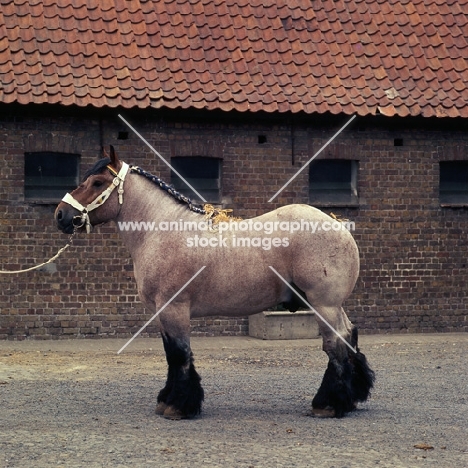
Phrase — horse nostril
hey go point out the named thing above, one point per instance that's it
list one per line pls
(59, 215)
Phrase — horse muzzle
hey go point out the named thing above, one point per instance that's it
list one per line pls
(68, 220)
(71, 223)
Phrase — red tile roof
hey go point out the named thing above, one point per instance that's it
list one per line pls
(396, 57)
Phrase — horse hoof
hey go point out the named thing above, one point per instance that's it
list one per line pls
(173, 413)
(327, 412)
(160, 408)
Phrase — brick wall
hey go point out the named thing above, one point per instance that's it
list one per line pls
(413, 252)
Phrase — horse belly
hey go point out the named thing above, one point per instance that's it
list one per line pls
(238, 288)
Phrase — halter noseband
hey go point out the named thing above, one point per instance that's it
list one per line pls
(83, 218)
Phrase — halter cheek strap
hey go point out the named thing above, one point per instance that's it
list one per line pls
(83, 218)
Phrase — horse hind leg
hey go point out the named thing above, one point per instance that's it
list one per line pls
(182, 396)
(348, 378)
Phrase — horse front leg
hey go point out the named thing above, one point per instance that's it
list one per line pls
(348, 378)
(182, 396)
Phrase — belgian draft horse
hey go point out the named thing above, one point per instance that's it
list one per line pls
(322, 266)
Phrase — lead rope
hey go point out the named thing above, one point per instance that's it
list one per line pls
(57, 255)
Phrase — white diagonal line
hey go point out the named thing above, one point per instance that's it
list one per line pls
(157, 154)
(161, 309)
(312, 158)
(313, 310)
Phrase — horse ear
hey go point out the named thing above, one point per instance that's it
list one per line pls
(115, 162)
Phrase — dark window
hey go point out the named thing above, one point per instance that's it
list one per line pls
(453, 184)
(48, 176)
(333, 182)
(202, 173)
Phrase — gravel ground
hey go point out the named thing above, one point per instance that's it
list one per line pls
(77, 403)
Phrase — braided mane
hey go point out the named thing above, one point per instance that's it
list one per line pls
(209, 211)
(215, 215)
(169, 189)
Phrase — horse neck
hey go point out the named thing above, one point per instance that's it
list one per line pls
(144, 202)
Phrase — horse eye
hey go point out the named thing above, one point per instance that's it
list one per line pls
(97, 183)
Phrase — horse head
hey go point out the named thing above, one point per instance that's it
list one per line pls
(85, 206)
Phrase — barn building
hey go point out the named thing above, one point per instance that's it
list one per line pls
(239, 96)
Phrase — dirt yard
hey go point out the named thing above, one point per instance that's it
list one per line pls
(78, 404)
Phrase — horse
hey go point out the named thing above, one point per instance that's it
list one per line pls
(238, 278)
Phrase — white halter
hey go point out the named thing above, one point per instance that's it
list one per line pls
(83, 218)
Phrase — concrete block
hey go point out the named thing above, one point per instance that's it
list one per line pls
(283, 325)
